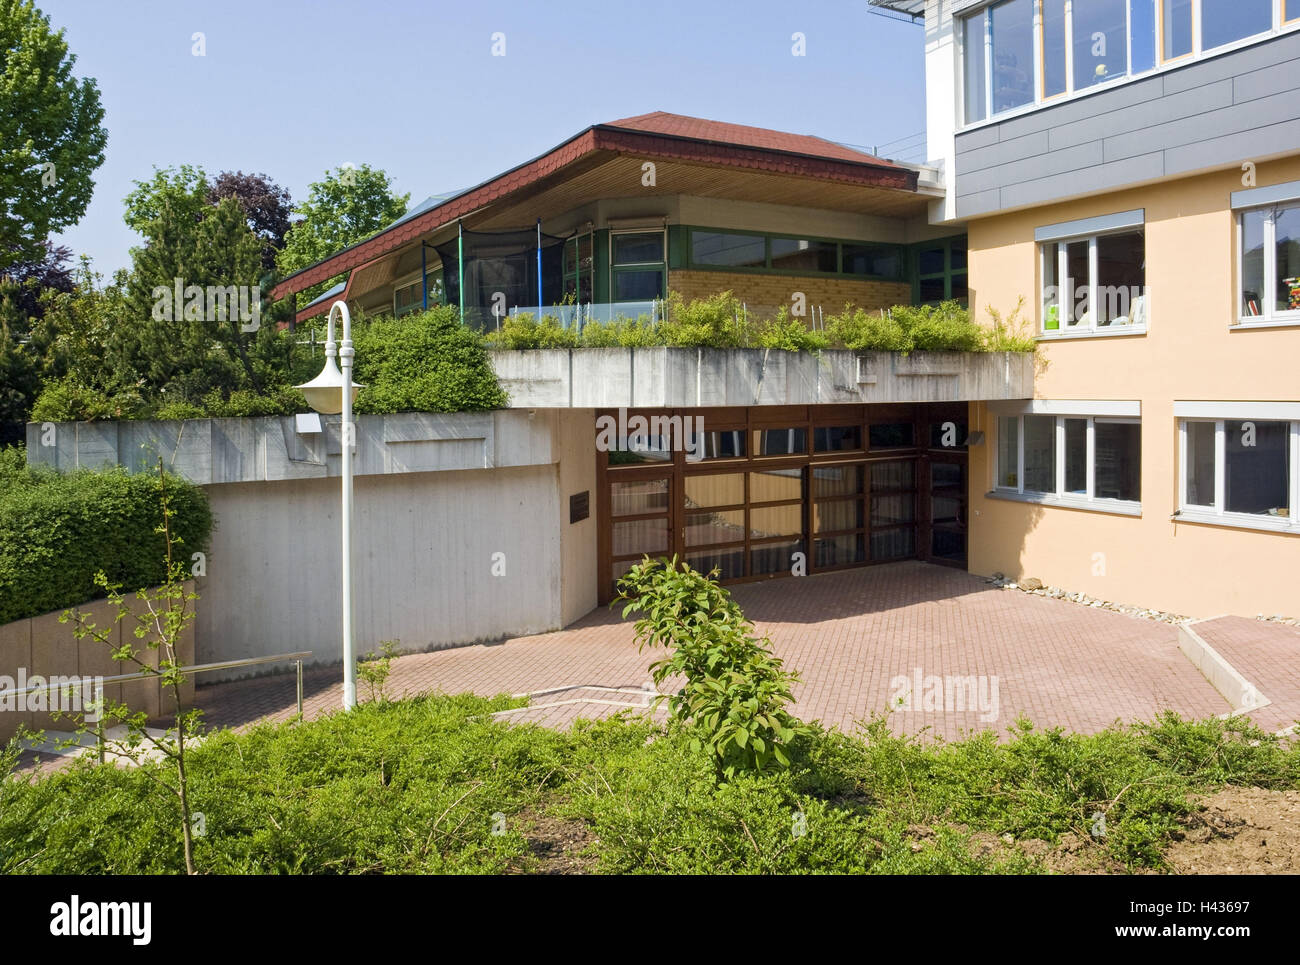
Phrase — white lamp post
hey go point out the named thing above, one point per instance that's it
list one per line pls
(325, 394)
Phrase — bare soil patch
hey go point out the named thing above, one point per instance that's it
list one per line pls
(1241, 830)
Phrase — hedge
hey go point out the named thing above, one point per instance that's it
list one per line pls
(58, 529)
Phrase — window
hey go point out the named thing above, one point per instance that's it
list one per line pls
(1018, 52)
(1269, 264)
(940, 268)
(637, 265)
(756, 252)
(1100, 42)
(410, 298)
(1223, 21)
(1077, 459)
(1095, 283)
(1241, 471)
(882, 261)
(579, 268)
(728, 250)
(792, 254)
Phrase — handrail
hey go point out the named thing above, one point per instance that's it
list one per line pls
(297, 657)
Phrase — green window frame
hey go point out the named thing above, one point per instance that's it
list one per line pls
(940, 270)
(619, 268)
(818, 247)
(579, 267)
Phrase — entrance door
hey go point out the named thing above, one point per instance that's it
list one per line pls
(944, 509)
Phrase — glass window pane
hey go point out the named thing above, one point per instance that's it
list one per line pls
(890, 510)
(1118, 474)
(638, 286)
(878, 260)
(1051, 287)
(1013, 53)
(776, 521)
(640, 536)
(1252, 262)
(930, 261)
(1257, 467)
(958, 255)
(837, 480)
(727, 444)
(947, 475)
(714, 490)
(1053, 47)
(1121, 275)
(776, 484)
(732, 251)
(642, 447)
(1100, 42)
(639, 249)
(1076, 456)
(890, 435)
(1176, 28)
(729, 563)
(837, 514)
(837, 438)
(959, 288)
(780, 442)
(794, 254)
(892, 544)
(1200, 464)
(975, 68)
(774, 557)
(1040, 453)
(839, 550)
(704, 529)
(1287, 252)
(1223, 21)
(932, 290)
(638, 496)
(1142, 34)
(1078, 280)
(886, 476)
(1008, 451)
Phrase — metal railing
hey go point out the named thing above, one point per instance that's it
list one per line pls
(297, 657)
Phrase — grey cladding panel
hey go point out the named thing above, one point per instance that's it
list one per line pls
(1213, 113)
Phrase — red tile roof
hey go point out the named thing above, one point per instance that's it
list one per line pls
(720, 132)
(659, 135)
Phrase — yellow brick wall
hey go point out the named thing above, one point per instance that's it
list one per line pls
(769, 291)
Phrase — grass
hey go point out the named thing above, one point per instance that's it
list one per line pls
(412, 786)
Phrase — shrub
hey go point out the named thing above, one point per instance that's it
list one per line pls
(789, 334)
(426, 362)
(57, 530)
(526, 331)
(865, 331)
(68, 400)
(736, 691)
(1010, 334)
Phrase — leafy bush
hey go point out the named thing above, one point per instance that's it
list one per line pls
(526, 331)
(735, 690)
(1010, 334)
(57, 530)
(425, 362)
(788, 334)
(68, 400)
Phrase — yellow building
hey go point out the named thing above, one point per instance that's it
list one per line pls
(1128, 174)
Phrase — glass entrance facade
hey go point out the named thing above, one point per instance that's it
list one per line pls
(765, 492)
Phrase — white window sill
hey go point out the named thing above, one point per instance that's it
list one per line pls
(1292, 321)
(1268, 524)
(1106, 331)
(1117, 507)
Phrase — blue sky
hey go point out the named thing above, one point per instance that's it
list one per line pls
(292, 88)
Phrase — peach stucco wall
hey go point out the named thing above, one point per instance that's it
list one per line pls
(1189, 353)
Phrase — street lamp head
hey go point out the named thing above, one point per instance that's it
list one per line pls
(325, 392)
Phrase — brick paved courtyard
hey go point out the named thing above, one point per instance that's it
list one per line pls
(850, 635)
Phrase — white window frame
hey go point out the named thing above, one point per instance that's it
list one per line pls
(980, 9)
(1270, 201)
(1124, 413)
(1088, 229)
(1218, 416)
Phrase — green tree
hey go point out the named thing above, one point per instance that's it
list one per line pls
(351, 204)
(51, 133)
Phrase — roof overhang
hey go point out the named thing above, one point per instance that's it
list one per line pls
(604, 161)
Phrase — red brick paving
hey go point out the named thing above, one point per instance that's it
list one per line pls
(848, 634)
(1268, 656)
